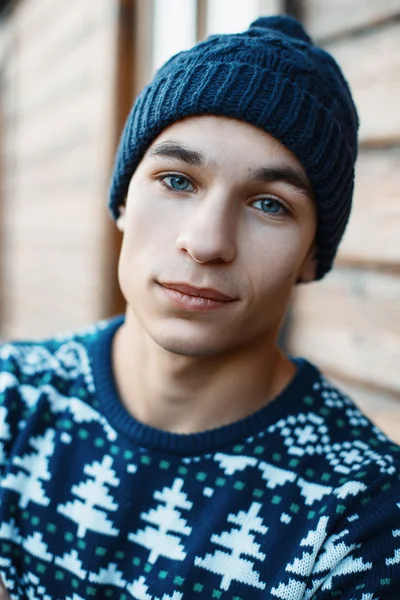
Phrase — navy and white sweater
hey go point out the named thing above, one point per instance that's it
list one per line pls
(300, 500)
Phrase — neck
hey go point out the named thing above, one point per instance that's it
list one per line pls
(186, 394)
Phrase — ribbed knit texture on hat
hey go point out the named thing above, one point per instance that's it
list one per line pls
(273, 77)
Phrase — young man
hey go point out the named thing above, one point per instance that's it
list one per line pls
(177, 453)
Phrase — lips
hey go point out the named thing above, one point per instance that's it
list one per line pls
(208, 293)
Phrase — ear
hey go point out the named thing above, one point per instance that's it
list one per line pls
(308, 269)
(120, 222)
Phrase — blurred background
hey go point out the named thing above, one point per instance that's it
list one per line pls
(69, 72)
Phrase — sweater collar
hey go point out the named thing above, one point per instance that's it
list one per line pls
(204, 442)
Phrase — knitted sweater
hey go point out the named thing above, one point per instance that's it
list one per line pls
(297, 501)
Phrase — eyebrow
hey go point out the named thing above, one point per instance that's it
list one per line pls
(289, 175)
(176, 151)
(285, 174)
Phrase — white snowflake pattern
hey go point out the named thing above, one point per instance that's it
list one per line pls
(347, 457)
(332, 397)
(356, 418)
(68, 362)
(304, 434)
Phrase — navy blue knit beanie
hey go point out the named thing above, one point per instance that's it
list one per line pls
(273, 77)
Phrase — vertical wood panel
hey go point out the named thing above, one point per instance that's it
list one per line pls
(373, 234)
(371, 63)
(349, 324)
(57, 151)
(113, 301)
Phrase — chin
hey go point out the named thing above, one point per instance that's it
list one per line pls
(190, 341)
(189, 347)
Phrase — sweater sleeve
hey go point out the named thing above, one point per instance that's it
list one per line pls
(361, 561)
(18, 398)
(9, 401)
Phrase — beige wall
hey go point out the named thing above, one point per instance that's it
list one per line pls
(57, 65)
(349, 324)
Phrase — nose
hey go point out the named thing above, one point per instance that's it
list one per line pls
(207, 233)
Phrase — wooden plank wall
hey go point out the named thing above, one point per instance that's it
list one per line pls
(349, 324)
(57, 103)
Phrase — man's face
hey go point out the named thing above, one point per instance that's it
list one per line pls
(215, 203)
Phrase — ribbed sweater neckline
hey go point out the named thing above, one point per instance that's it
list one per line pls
(204, 442)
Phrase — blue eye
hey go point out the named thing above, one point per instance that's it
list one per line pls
(270, 206)
(178, 183)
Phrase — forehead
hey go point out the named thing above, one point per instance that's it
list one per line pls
(225, 141)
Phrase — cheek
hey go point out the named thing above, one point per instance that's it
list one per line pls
(148, 221)
(275, 257)
(150, 234)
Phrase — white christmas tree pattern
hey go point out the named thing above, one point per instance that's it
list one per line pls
(9, 531)
(333, 550)
(34, 545)
(138, 589)
(4, 562)
(334, 553)
(70, 562)
(312, 491)
(230, 464)
(166, 518)
(275, 476)
(34, 469)
(348, 565)
(4, 586)
(34, 591)
(349, 488)
(92, 493)
(294, 589)
(395, 559)
(109, 576)
(7, 381)
(30, 394)
(232, 566)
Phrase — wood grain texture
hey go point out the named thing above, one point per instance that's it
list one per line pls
(373, 233)
(350, 324)
(371, 63)
(326, 18)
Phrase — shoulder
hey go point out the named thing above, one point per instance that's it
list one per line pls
(346, 472)
(42, 377)
(30, 361)
(60, 364)
(327, 432)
